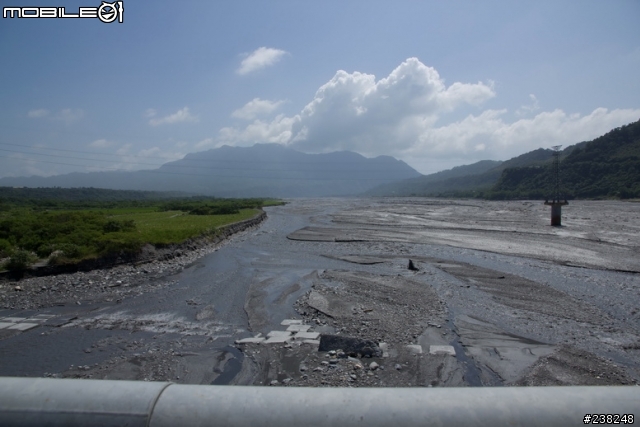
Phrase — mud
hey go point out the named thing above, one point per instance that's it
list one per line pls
(496, 297)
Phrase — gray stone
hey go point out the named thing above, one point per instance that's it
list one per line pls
(373, 366)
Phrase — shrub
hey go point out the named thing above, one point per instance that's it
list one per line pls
(5, 248)
(20, 260)
(113, 226)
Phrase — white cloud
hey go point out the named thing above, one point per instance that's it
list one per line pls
(36, 114)
(526, 109)
(180, 116)
(256, 107)
(205, 143)
(489, 136)
(150, 112)
(123, 150)
(407, 115)
(260, 58)
(69, 115)
(278, 130)
(100, 143)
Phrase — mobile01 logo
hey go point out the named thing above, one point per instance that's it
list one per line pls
(106, 12)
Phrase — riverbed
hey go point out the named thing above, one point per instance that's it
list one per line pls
(495, 296)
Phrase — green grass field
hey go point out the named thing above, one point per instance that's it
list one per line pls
(161, 228)
(31, 230)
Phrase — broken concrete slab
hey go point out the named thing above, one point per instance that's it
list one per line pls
(442, 349)
(306, 335)
(298, 328)
(5, 325)
(23, 326)
(312, 342)
(287, 322)
(414, 348)
(277, 339)
(279, 334)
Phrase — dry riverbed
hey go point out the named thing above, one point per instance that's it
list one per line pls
(377, 293)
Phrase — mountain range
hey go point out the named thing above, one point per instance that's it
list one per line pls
(606, 167)
(263, 170)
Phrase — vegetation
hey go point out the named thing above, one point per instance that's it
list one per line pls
(607, 167)
(74, 230)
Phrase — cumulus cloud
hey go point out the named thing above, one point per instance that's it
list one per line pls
(180, 116)
(489, 136)
(256, 107)
(408, 114)
(36, 114)
(260, 58)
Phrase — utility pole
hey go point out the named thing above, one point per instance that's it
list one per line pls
(556, 204)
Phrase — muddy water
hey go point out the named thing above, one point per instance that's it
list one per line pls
(185, 332)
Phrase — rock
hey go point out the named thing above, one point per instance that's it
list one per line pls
(206, 313)
(274, 382)
(17, 288)
(351, 346)
(412, 267)
(373, 366)
(398, 367)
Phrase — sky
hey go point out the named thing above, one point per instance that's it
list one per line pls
(436, 84)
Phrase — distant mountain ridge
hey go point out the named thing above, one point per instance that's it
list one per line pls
(263, 170)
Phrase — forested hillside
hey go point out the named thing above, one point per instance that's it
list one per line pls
(607, 167)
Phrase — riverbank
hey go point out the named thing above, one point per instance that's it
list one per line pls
(112, 280)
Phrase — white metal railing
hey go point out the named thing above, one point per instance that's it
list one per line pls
(67, 402)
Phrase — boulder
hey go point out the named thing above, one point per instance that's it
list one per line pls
(355, 347)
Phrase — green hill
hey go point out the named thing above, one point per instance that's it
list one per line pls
(607, 167)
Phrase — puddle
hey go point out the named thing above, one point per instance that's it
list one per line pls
(231, 367)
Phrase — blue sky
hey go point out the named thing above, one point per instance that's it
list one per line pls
(436, 84)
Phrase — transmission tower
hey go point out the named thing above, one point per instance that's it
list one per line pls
(556, 204)
(556, 168)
